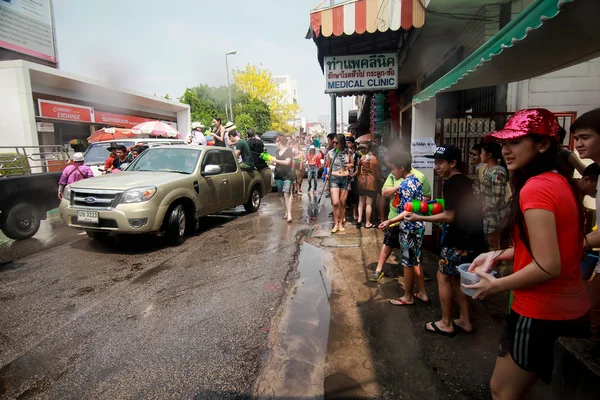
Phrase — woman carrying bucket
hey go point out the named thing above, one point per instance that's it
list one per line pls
(545, 223)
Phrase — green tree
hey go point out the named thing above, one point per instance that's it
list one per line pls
(258, 110)
(258, 84)
(207, 102)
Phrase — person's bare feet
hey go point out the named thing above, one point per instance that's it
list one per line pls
(465, 326)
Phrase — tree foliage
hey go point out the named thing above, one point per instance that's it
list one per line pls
(207, 102)
(258, 84)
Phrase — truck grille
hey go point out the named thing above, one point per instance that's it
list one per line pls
(97, 199)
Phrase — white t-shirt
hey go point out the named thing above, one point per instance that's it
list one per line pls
(197, 138)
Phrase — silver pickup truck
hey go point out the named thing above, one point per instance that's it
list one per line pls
(166, 189)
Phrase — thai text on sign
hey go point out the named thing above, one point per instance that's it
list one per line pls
(362, 73)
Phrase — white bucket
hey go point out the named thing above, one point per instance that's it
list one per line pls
(467, 278)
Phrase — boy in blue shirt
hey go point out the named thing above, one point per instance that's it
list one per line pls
(411, 233)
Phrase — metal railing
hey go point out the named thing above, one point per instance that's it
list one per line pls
(27, 160)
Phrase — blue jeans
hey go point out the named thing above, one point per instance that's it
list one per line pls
(313, 174)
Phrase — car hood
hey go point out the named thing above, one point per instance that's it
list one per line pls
(127, 180)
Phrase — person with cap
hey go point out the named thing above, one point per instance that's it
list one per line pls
(229, 126)
(111, 157)
(242, 150)
(589, 180)
(196, 136)
(543, 236)
(219, 133)
(462, 240)
(73, 173)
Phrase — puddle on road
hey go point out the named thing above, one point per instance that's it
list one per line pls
(295, 366)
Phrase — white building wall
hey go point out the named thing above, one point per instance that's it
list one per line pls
(17, 118)
(576, 88)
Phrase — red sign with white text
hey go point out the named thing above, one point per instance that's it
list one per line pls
(121, 120)
(64, 111)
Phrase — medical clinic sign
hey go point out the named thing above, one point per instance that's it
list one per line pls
(363, 73)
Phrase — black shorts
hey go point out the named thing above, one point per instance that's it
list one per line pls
(367, 193)
(530, 341)
(391, 237)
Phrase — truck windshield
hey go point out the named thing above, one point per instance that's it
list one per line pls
(98, 152)
(164, 159)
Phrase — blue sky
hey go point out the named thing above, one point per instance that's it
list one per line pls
(165, 46)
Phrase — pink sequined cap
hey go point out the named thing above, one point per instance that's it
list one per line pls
(526, 122)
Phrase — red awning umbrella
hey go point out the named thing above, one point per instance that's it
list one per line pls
(104, 134)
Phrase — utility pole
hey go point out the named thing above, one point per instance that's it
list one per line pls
(342, 115)
(231, 53)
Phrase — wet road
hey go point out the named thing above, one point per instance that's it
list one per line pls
(135, 319)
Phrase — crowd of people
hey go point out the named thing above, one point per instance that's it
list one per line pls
(524, 209)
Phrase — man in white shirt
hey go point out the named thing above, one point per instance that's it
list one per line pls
(196, 136)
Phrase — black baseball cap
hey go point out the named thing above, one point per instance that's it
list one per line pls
(592, 171)
(447, 152)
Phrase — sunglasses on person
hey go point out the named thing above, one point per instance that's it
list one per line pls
(336, 142)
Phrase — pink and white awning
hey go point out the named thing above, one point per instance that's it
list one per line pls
(360, 16)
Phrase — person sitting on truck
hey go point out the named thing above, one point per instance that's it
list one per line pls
(111, 158)
(242, 150)
(73, 173)
(122, 158)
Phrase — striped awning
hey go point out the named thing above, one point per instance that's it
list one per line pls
(360, 16)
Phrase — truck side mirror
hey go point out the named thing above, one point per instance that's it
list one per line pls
(211, 169)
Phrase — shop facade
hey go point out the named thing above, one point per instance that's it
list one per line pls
(45, 106)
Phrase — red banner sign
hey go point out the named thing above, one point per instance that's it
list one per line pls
(121, 120)
(64, 111)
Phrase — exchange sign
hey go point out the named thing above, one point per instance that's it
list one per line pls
(362, 73)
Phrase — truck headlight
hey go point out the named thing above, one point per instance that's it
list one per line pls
(67, 193)
(138, 195)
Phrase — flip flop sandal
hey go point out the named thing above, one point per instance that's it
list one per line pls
(460, 328)
(398, 302)
(417, 296)
(369, 227)
(437, 331)
(375, 276)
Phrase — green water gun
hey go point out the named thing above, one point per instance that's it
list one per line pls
(267, 157)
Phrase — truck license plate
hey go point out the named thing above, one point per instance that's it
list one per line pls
(87, 216)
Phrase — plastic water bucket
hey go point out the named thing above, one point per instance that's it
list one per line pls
(467, 278)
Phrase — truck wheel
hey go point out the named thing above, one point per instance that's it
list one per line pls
(175, 226)
(22, 221)
(97, 235)
(254, 201)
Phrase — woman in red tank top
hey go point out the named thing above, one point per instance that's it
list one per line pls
(545, 227)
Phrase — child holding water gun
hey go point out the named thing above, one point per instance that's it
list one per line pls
(410, 234)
